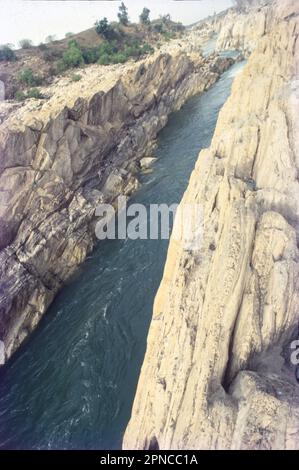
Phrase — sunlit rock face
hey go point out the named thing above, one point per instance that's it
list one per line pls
(217, 372)
(62, 156)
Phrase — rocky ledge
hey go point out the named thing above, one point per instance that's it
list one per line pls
(217, 371)
(61, 156)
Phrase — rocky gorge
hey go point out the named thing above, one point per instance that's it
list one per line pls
(62, 156)
(217, 371)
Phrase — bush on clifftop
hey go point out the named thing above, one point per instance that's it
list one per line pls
(7, 54)
(104, 29)
(73, 57)
(31, 93)
(123, 14)
(25, 44)
(29, 78)
(144, 17)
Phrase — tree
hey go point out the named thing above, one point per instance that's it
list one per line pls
(166, 19)
(144, 17)
(158, 27)
(104, 29)
(25, 44)
(50, 38)
(7, 54)
(123, 14)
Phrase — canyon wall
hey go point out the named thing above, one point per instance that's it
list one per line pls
(217, 372)
(242, 30)
(62, 156)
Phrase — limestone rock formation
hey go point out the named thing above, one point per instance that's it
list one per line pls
(62, 156)
(242, 30)
(217, 371)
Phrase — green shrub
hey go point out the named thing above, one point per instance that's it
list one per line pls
(130, 51)
(104, 59)
(20, 95)
(7, 54)
(69, 35)
(119, 58)
(25, 44)
(75, 77)
(29, 78)
(114, 53)
(34, 93)
(61, 66)
(31, 93)
(147, 49)
(108, 47)
(73, 57)
(73, 43)
(91, 55)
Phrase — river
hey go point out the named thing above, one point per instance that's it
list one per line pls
(72, 384)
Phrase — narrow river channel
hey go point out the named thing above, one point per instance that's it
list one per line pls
(72, 385)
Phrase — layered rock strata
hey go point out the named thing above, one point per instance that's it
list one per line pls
(61, 157)
(241, 30)
(217, 372)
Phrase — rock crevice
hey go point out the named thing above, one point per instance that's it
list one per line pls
(229, 380)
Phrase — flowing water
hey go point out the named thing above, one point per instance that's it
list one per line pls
(209, 47)
(72, 385)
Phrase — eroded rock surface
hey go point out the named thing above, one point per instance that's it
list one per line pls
(62, 156)
(217, 371)
(242, 30)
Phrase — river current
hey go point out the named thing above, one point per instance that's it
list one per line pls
(72, 385)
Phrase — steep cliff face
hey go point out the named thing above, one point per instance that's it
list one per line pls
(217, 372)
(242, 30)
(60, 157)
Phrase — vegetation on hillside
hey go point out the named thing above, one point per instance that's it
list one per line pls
(7, 54)
(118, 42)
(50, 38)
(29, 78)
(73, 57)
(123, 15)
(118, 47)
(31, 93)
(76, 77)
(104, 29)
(25, 44)
(145, 16)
